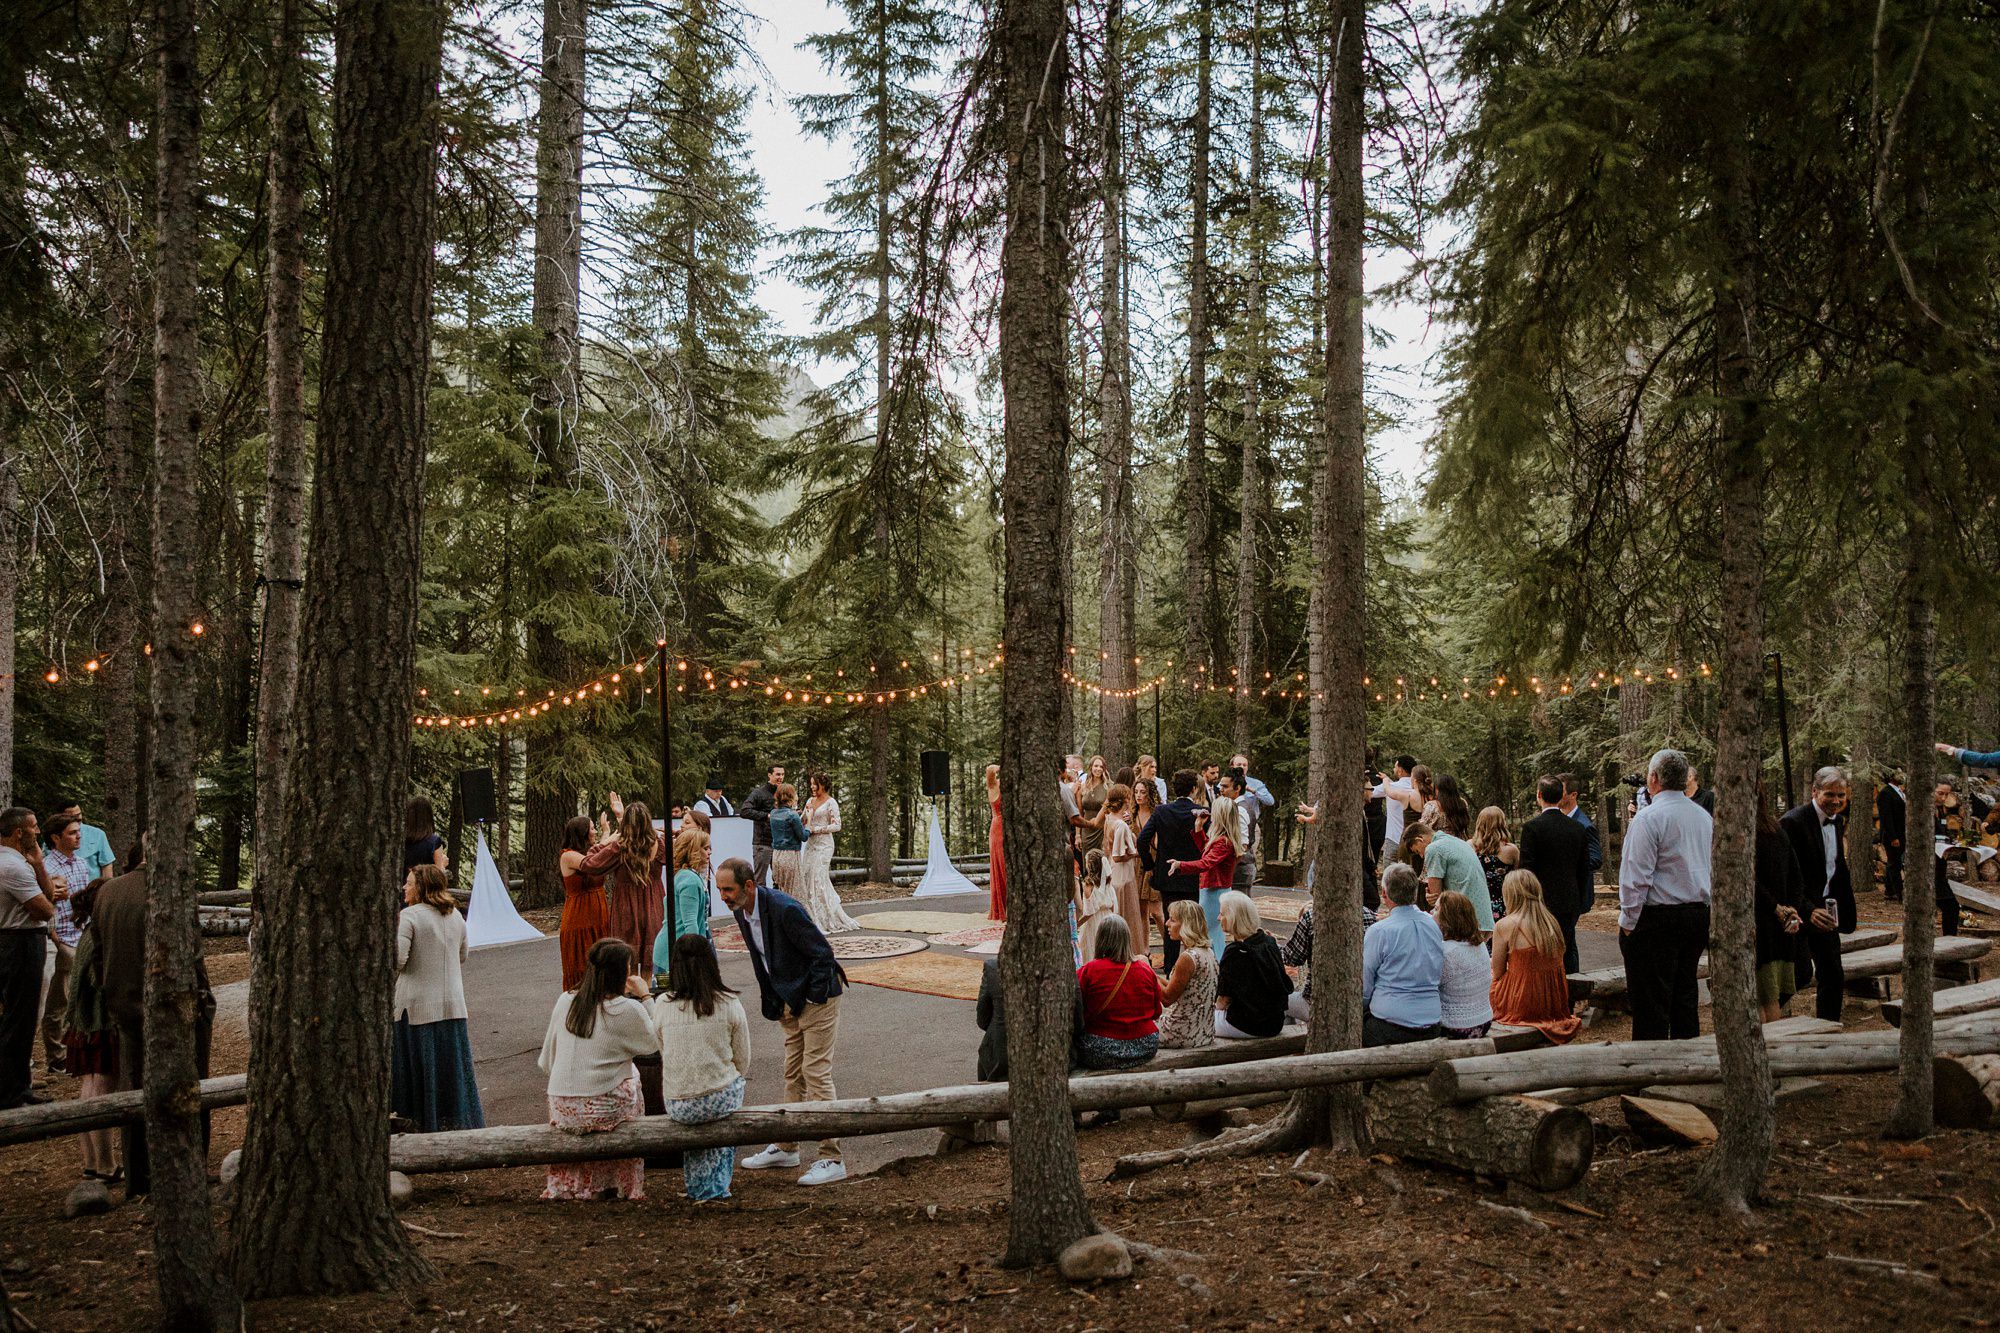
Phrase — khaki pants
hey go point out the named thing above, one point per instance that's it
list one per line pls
(55, 1008)
(809, 1061)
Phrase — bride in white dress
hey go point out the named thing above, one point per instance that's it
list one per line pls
(816, 894)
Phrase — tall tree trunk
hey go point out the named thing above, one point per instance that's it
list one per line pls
(879, 828)
(1048, 1209)
(281, 575)
(237, 663)
(120, 677)
(552, 795)
(1340, 602)
(1117, 552)
(194, 1292)
(1195, 653)
(314, 1216)
(1251, 488)
(10, 584)
(1912, 1116)
(1733, 1175)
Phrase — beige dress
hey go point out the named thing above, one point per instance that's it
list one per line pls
(1123, 876)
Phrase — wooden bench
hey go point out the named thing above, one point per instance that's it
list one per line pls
(1954, 1000)
(1606, 986)
(1976, 896)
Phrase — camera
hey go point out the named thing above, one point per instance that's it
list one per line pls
(1634, 780)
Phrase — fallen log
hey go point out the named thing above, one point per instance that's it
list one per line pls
(536, 1145)
(1660, 1120)
(1888, 960)
(1965, 1091)
(1973, 999)
(52, 1120)
(1646, 1062)
(1535, 1142)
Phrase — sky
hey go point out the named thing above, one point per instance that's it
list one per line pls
(796, 170)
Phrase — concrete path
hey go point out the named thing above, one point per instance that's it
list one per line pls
(890, 1040)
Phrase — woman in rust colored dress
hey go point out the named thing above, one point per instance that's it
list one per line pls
(633, 862)
(586, 915)
(996, 856)
(1530, 987)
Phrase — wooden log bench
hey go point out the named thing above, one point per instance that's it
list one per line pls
(1979, 897)
(1606, 985)
(25, 1124)
(1955, 957)
(1953, 1000)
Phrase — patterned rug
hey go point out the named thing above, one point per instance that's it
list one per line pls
(947, 975)
(920, 923)
(989, 948)
(728, 939)
(966, 939)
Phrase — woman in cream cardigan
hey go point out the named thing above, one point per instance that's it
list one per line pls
(594, 1033)
(430, 1074)
(704, 1058)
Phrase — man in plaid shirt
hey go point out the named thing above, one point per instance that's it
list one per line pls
(67, 866)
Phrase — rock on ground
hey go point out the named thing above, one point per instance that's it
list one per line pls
(1100, 1258)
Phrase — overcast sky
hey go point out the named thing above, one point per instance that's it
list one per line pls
(796, 170)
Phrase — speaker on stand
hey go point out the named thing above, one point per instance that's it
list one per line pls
(476, 801)
(935, 766)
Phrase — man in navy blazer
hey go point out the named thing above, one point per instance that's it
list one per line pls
(1168, 837)
(799, 982)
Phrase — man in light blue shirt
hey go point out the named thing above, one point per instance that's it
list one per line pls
(1452, 866)
(1402, 966)
(1970, 758)
(95, 850)
(1664, 886)
(1254, 800)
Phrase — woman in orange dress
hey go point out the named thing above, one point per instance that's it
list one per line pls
(1530, 987)
(586, 914)
(635, 862)
(996, 855)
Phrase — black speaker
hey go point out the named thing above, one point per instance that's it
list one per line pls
(475, 796)
(937, 772)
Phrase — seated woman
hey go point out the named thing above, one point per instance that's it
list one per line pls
(595, 1032)
(1252, 986)
(704, 1058)
(1464, 995)
(1190, 993)
(1121, 1002)
(1530, 988)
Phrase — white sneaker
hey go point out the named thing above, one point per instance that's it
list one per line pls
(770, 1159)
(825, 1171)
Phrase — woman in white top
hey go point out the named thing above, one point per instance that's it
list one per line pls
(1465, 993)
(430, 1073)
(595, 1032)
(704, 1058)
(816, 894)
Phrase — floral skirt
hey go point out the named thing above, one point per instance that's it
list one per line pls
(595, 1115)
(707, 1171)
(1116, 1052)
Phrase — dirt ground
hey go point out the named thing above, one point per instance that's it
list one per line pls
(1376, 1242)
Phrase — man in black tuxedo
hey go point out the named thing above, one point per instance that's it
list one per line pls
(1817, 831)
(1892, 811)
(1169, 837)
(1557, 849)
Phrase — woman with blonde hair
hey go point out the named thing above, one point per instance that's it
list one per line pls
(1530, 988)
(788, 840)
(635, 865)
(1190, 990)
(1252, 987)
(1497, 854)
(689, 895)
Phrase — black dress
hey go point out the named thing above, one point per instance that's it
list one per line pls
(1779, 884)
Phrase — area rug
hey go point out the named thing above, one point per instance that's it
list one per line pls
(966, 939)
(1281, 909)
(929, 973)
(989, 948)
(920, 923)
(728, 939)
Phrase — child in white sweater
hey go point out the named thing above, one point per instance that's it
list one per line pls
(704, 1058)
(1465, 993)
(594, 1033)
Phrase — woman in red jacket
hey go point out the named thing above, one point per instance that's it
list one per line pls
(1221, 842)
(1120, 996)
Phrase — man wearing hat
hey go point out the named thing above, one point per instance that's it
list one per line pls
(712, 802)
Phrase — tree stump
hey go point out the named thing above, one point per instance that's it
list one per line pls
(1520, 1138)
(1966, 1091)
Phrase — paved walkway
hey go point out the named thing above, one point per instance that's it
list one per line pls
(890, 1040)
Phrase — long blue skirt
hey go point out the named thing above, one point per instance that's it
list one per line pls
(707, 1171)
(430, 1076)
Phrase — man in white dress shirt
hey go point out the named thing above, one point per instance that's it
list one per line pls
(1393, 793)
(1664, 889)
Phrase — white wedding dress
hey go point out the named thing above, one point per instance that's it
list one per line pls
(816, 892)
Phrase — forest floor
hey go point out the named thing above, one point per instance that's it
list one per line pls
(1349, 1241)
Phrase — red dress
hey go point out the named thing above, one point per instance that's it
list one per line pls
(996, 868)
(586, 918)
(637, 909)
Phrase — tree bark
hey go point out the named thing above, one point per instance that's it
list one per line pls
(879, 851)
(1117, 552)
(194, 1292)
(1733, 1175)
(1540, 1144)
(1966, 1092)
(1340, 604)
(1048, 1209)
(1913, 1114)
(125, 538)
(315, 1215)
(1197, 591)
(1250, 504)
(557, 397)
(281, 575)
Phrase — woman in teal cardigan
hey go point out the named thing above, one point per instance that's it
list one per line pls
(688, 910)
